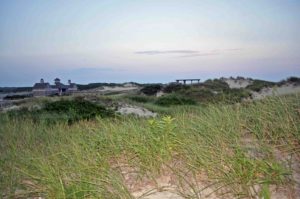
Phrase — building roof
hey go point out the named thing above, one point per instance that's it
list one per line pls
(59, 85)
(41, 85)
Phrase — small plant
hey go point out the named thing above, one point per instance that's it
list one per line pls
(163, 131)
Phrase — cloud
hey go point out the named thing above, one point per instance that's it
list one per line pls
(225, 50)
(188, 53)
(201, 54)
(157, 52)
(234, 49)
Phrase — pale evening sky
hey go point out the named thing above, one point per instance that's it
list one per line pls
(147, 40)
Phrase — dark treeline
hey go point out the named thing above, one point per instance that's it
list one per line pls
(15, 89)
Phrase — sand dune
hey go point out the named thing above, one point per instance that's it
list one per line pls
(277, 90)
(237, 83)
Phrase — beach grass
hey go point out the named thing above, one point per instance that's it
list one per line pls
(232, 149)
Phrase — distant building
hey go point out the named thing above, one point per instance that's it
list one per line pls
(42, 89)
(45, 89)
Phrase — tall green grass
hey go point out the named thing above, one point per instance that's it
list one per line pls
(88, 159)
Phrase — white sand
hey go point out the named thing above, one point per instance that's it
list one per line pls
(237, 83)
(276, 91)
(134, 110)
(158, 195)
(119, 88)
(159, 93)
(165, 189)
(10, 108)
(107, 89)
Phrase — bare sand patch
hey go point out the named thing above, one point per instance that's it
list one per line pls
(277, 90)
(105, 89)
(135, 110)
(168, 184)
(237, 83)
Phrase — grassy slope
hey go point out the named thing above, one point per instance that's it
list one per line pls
(210, 91)
(83, 160)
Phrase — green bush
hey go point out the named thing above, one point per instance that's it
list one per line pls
(198, 94)
(215, 84)
(77, 109)
(174, 87)
(236, 95)
(169, 100)
(140, 99)
(206, 95)
(15, 97)
(64, 111)
(15, 89)
(293, 80)
(257, 85)
(151, 89)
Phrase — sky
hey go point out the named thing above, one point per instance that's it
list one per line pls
(147, 40)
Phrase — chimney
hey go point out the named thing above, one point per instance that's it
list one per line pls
(69, 81)
(42, 81)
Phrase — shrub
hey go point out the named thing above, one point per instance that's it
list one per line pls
(257, 85)
(64, 111)
(216, 85)
(15, 97)
(174, 87)
(205, 95)
(151, 89)
(15, 89)
(169, 100)
(236, 95)
(295, 80)
(140, 99)
(79, 109)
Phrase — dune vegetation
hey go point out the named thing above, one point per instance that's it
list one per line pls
(242, 150)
